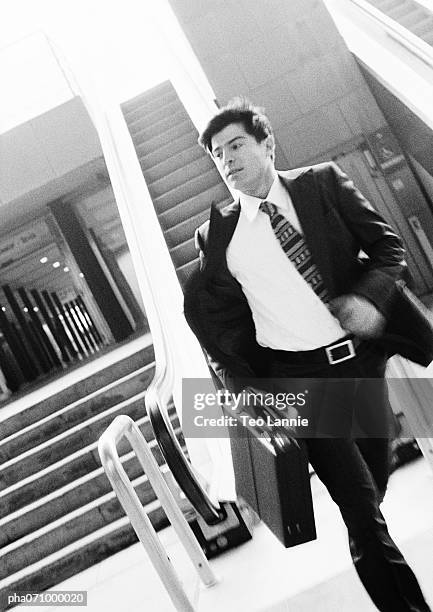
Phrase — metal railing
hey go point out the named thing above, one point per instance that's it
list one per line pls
(124, 427)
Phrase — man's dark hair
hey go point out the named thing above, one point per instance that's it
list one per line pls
(238, 110)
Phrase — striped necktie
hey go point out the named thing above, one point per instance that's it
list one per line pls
(296, 249)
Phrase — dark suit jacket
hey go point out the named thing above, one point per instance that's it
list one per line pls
(338, 223)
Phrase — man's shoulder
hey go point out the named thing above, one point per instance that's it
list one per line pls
(317, 169)
(202, 232)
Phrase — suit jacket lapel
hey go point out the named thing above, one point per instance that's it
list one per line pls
(306, 201)
(221, 228)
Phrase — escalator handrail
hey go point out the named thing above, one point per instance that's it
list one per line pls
(159, 392)
(418, 47)
(156, 399)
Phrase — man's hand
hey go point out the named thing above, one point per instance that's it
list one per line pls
(358, 315)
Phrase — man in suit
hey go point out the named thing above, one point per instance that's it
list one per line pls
(282, 294)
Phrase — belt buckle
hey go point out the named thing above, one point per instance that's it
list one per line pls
(350, 348)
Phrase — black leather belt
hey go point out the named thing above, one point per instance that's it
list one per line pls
(334, 353)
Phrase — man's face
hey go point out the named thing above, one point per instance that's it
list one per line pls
(246, 164)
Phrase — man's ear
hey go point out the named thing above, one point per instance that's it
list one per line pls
(270, 145)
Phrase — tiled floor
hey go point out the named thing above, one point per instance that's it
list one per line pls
(263, 576)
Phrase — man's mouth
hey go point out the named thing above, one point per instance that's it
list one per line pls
(232, 173)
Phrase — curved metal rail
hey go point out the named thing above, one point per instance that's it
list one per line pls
(124, 426)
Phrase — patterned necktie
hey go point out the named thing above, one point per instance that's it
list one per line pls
(296, 249)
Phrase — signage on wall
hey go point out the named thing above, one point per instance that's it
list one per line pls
(15, 247)
(385, 149)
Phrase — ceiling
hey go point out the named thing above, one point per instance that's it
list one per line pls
(56, 155)
(88, 189)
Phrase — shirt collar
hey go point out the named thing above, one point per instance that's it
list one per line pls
(277, 195)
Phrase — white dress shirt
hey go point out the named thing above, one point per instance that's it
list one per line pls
(287, 313)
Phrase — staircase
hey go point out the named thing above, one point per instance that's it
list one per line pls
(409, 14)
(58, 513)
(181, 177)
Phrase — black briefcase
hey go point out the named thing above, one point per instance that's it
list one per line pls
(272, 475)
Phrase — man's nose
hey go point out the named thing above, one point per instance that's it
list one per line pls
(227, 157)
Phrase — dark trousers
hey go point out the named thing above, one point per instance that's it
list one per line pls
(355, 472)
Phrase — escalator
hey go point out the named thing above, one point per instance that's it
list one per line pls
(410, 14)
(182, 181)
(181, 178)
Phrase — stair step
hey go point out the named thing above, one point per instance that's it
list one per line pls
(31, 488)
(74, 466)
(410, 20)
(217, 192)
(149, 130)
(184, 253)
(57, 422)
(185, 271)
(78, 556)
(173, 149)
(168, 109)
(383, 5)
(182, 232)
(158, 91)
(178, 177)
(423, 27)
(165, 138)
(71, 496)
(68, 441)
(400, 11)
(69, 528)
(409, 14)
(428, 38)
(186, 229)
(149, 106)
(172, 164)
(76, 391)
(155, 118)
(189, 189)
